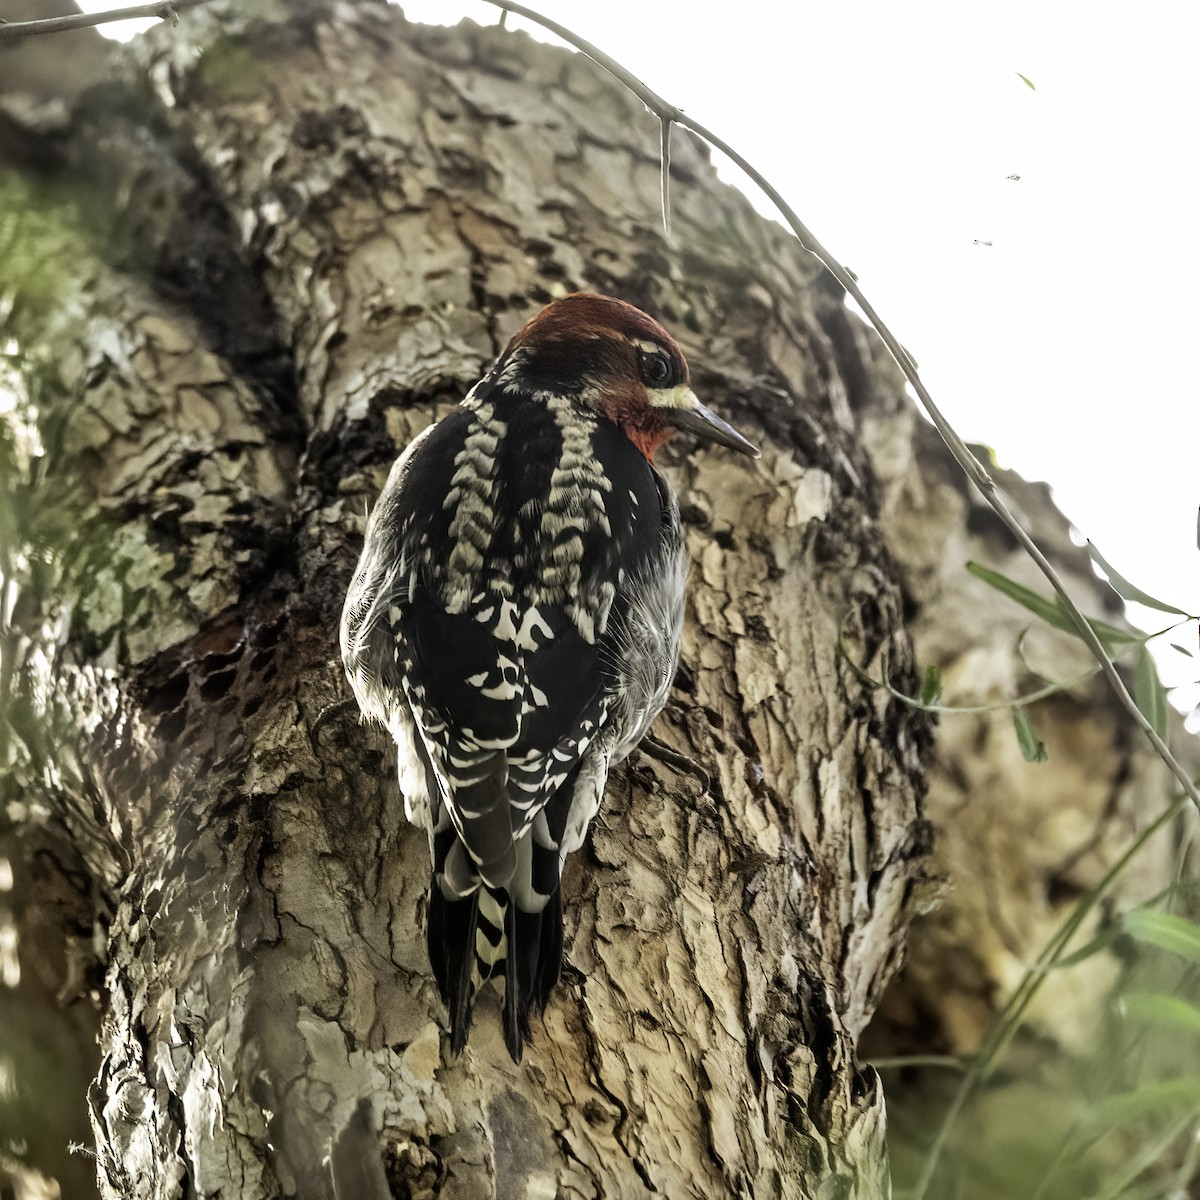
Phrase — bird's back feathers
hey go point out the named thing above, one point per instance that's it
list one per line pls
(523, 566)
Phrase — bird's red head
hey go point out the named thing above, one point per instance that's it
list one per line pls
(621, 364)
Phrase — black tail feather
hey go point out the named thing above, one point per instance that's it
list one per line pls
(531, 968)
(451, 936)
(550, 932)
(550, 959)
(516, 1010)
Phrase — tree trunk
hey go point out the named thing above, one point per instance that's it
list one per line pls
(1017, 844)
(241, 274)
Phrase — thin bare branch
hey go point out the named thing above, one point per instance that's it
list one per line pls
(652, 100)
(166, 10)
(902, 1061)
(974, 469)
(665, 169)
(1042, 693)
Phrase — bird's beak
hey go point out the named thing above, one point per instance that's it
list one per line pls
(681, 408)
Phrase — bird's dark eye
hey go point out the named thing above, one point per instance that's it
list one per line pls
(656, 369)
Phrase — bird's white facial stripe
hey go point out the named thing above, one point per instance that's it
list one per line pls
(680, 396)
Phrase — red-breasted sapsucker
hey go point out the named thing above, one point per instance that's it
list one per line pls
(514, 621)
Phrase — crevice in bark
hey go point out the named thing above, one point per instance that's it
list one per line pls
(147, 202)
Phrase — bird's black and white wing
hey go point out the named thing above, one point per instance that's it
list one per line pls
(514, 621)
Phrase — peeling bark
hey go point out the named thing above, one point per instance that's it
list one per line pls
(253, 263)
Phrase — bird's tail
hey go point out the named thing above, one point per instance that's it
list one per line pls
(514, 932)
(531, 965)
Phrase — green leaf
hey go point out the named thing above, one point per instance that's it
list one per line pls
(1032, 750)
(1048, 610)
(1161, 1011)
(1051, 611)
(1182, 649)
(1026, 81)
(1148, 1100)
(1110, 636)
(1127, 590)
(1101, 942)
(1149, 693)
(931, 686)
(1167, 932)
(1154, 1150)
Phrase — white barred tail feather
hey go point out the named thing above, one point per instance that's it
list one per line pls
(530, 957)
(489, 933)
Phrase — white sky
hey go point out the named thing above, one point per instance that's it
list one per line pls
(1068, 343)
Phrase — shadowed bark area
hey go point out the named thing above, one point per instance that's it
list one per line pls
(245, 269)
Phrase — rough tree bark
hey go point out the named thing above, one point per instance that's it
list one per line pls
(240, 274)
(320, 225)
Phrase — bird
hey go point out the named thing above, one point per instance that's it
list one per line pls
(514, 622)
